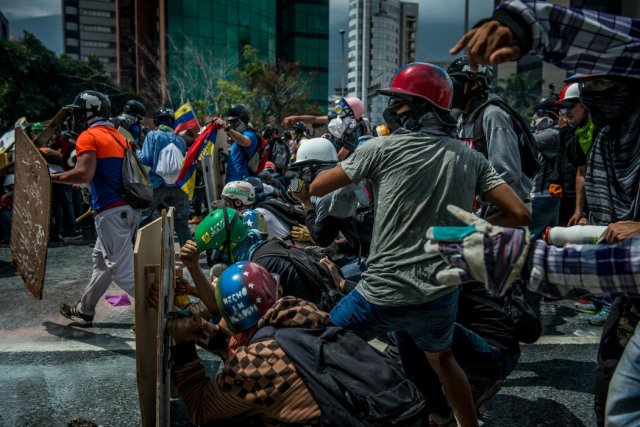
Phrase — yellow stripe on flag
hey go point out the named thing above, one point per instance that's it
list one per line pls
(183, 110)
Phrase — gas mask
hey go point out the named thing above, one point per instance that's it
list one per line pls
(394, 120)
(541, 122)
(340, 125)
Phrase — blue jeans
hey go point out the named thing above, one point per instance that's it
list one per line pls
(429, 324)
(545, 212)
(623, 401)
(353, 269)
(170, 196)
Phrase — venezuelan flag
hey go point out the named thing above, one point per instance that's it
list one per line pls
(185, 118)
(187, 177)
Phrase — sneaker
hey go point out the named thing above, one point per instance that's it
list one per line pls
(585, 306)
(195, 220)
(72, 313)
(483, 392)
(599, 318)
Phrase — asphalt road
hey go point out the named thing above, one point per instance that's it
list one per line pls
(50, 372)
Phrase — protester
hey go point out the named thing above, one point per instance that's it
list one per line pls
(350, 125)
(163, 151)
(279, 152)
(298, 134)
(100, 149)
(6, 208)
(488, 125)
(264, 375)
(131, 120)
(546, 192)
(605, 46)
(415, 172)
(244, 142)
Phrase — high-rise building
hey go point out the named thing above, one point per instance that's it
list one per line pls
(302, 36)
(165, 42)
(4, 26)
(90, 29)
(381, 39)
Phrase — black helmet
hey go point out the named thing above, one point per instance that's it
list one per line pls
(299, 128)
(163, 116)
(286, 135)
(238, 112)
(548, 103)
(134, 108)
(460, 68)
(269, 130)
(90, 105)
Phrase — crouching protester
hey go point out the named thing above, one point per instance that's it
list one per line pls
(270, 370)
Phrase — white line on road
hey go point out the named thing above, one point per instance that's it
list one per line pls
(47, 347)
(567, 340)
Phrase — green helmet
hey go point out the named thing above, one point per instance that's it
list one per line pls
(220, 226)
(37, 127)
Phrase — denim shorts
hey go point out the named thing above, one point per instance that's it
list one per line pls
(429, 324)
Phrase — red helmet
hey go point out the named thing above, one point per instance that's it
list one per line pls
(422, 81)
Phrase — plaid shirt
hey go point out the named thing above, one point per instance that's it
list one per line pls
(579, 40)
(577, 270)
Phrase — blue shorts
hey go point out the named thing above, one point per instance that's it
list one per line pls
(429, 324)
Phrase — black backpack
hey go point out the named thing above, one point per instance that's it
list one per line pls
(526, 323)
(280, 154)
(526, 143)
(352, 383)
(310, 269)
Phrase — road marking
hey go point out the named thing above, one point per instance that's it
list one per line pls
(567, 340)
(47, 347)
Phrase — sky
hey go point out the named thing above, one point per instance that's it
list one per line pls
(440, 25)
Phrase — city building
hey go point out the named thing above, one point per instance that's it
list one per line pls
(382, 36)
(164, 43)
(302, 36)
(550, 74)
(89, 28)
(4, 26)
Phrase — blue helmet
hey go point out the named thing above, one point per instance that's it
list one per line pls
(244, 293)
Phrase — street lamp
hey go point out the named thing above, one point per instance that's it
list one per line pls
(343, 61)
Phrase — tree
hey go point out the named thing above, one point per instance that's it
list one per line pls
(271, 91)
(35, 83)
(520, 91)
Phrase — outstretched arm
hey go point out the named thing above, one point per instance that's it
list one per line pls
(576, 40)
(329, 181)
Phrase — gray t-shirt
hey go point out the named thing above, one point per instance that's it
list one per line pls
(415, 176)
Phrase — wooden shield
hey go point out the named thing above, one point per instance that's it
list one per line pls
(52, 126)
(153, 263)
(31, 214)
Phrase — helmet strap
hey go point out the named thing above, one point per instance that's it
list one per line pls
(228, 226)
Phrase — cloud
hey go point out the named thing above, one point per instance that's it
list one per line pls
(17, 9)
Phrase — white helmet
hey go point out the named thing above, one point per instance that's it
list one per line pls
(240, 190)
(318, 150)
(570, 93)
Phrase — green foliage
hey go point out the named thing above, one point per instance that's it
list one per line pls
(520, 91)
(35, 83)
(270, 91)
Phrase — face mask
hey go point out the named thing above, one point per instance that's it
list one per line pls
(458, 100)
(393, 120)
(340, 125)
(606, 106)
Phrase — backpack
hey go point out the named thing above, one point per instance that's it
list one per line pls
(260, 157)
(307, 266)
(526, 143)
(137, 190)
(288, 214)
(352, 383)
(169, 164)
(526, 323)
(280, 154)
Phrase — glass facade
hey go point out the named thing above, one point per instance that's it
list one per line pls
(295, 31)
(303, 37)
